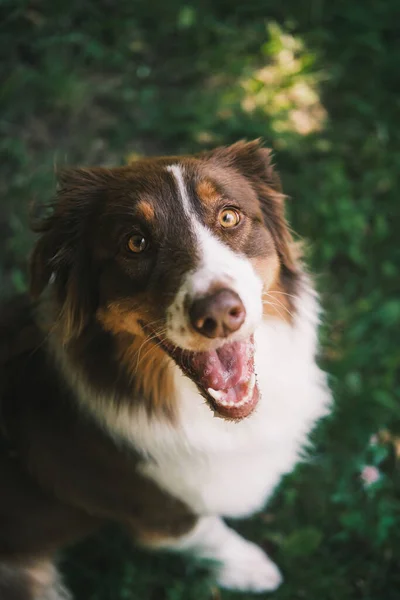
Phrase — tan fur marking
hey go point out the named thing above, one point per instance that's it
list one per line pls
(165, 533)
(42, 575)
(275, 302)
(153, 539)
(207, 192)
(117, 320)
(146, 209)
(152, 375)
(147, 363)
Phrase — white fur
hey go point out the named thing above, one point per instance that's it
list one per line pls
(218, 264)
(178, 172)
(241, 564)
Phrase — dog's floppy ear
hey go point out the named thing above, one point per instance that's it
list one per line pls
(253, 161)
(61, 254)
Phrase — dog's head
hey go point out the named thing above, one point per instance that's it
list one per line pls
(178, 251)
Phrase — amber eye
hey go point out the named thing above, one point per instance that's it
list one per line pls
(229, 217)
(137, 243)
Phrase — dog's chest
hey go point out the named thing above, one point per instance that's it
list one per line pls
(227, 468)
(219, 472)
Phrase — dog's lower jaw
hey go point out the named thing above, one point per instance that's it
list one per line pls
(239, 564)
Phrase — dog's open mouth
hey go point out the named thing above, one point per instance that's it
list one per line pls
(225, 377)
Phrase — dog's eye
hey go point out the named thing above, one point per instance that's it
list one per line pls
(137, 243)
(229, 217)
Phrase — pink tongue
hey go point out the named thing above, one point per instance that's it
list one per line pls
(224, 368)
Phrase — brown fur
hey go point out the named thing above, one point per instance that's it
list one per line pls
(61, 475)
(152, 374)
(149, 367)
(146, 363)
(254, 162)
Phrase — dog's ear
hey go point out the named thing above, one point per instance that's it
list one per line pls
(253, 161)
(61, 255)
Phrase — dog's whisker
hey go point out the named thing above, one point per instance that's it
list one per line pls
(279, 293)
(146, 341)
(154, 322)
(283, 306)
(276, 307)
(158, 336)
(147, 353)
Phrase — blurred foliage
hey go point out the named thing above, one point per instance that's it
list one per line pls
(93, 82)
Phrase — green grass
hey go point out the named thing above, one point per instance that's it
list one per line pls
(93, 82)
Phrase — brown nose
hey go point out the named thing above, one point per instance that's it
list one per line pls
(217, 315)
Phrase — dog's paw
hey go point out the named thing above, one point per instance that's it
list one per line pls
(249, 569)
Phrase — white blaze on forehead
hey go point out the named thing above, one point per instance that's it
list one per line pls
(178, 172)
(218, 264)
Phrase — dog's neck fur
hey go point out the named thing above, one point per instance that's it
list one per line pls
(294, 343)
(200, 457)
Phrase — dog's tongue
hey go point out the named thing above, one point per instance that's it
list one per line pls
(225, 377)
(226, 367)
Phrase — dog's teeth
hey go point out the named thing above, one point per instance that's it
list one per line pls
(252, 382)
(242, 402)
(219, 395)
(216, 394)
(250, 390)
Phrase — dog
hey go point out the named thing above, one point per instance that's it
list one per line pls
(162, 373)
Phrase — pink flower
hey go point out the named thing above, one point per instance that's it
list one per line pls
(373, 440)
(370, 475)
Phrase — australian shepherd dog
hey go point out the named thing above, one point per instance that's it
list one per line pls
(161, 374)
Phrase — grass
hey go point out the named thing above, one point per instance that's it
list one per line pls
(94, 83)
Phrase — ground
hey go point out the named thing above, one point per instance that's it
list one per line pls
(99, 81)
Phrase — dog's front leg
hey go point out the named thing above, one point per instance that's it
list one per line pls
(241, 565)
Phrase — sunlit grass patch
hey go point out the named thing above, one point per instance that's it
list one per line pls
(286, 88)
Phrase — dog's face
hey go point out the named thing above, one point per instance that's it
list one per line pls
(178, 252)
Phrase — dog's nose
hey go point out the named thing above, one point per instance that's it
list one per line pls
(217, 315)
